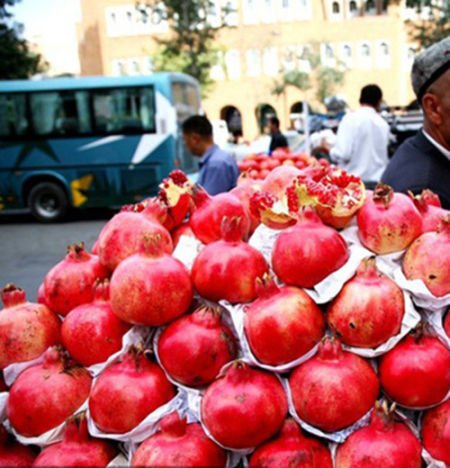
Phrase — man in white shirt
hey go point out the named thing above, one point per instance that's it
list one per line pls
(423, 161)
(362, 138)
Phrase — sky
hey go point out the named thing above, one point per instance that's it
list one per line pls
(52, 25)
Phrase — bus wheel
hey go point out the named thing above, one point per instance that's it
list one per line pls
(48, 202)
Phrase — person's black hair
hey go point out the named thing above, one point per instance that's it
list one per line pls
(198, 124)
(275, 121)
(371, 95)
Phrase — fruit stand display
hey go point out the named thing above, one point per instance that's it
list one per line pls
(298, 320)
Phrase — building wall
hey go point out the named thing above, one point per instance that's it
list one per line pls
(263, 34)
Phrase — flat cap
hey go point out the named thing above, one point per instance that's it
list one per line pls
(429, 65)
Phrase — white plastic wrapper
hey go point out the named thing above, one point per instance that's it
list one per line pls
(237, 313)
(410, 320)
(134, 336)
(50, 437)
(143, 430)
(119, 462)
(431, 462)
(187, 249)
(339, 436)
(263, 240)
(435, 319)
(3, 403)
(11, 372)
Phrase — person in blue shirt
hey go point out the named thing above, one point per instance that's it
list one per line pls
(218, 169)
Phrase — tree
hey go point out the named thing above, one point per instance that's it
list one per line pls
(16, 59)
(190, 48)
(434, 24)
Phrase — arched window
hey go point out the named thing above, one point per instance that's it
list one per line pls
(347, 51)
(365, 50)
(336, 8)
(329, 54)
(353, 7)
(370, 5)
(384, 49)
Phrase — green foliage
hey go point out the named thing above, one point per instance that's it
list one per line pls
(16, 59)
(190, 48)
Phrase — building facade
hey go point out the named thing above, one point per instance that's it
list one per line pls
(263, 40)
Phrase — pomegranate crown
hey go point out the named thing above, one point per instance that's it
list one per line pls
(232, 228)
(12, 295)
(174, 425)
(266, 286)
(76, 429)
(291, 429)
(152, 245)
(368, 267)
(78, 252)
(207, 315)
(425, 199)
(444, 225)
(137, 354)
(330, 349)
(383, 415)
(58, 356)
(101, 289)
(383, 194)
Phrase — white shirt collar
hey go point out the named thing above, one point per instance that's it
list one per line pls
(443, 150)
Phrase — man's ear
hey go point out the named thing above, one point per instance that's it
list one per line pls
(432, 108)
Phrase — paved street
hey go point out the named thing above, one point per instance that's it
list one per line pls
(29, 249)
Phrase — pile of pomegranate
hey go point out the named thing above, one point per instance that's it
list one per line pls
(202, 331)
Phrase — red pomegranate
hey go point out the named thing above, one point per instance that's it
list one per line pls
(305, 254)
(269, 211)
(41, 294)
(183, 229)
(369, 308)
(76, 449)
(282, 324)
(45, 395)
(179, 444)
(416, 373)
(227, 269)
(447, 323)
(206, 220)
(428, 259)
(127, 392)
(69, 283)
(385, 443)
(194, 348)
(436, 432)
(333, 389)
(291, 448)
(245, 189)
(279, 180)
(388, 222)
(250, 401)
(13, 454)
(92, 332)
(150, 288)
(127, 233)
(26, 329)
(430, 208)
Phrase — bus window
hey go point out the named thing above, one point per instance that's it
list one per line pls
(128, 110)
(65, 113)
(13, 117)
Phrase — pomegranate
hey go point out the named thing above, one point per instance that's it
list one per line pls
(179, 444)
(292, 448)
(150, 288)
(416, 373)
(268, 209)
(12, 453)
(26, 329)
(369, 308)
(428, 259)
(77, 448)
(69, 283)
(45, 395)
(127, 233)
(183, 229)
(282, 324)
(227, 269)
(279, 180)
(430, 208)
(447, 323)
(250, 401)
(335, 195)
(305, 254)
(127, 392)
(333, 389)
(41, 294)
(207, 218)
(436, 432)
(388, 222)
(194, 348)
(385, 443)
(92, 332)
(245, 189)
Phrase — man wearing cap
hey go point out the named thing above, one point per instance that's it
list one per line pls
(423, 161)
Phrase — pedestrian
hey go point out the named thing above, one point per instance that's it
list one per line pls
(278, 140)
(423, 161)
(218, 169)
(362, 138)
